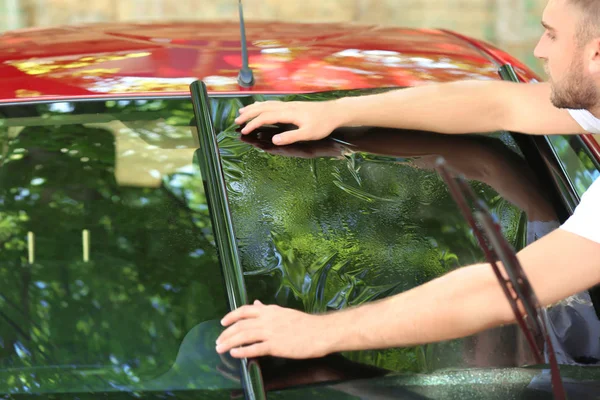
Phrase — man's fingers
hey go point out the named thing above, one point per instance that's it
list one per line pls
(253, 110)
(230, 332)
(247, 115)
(258, 105)
(253, 351)
(242, 338)
(238, 314)
(289, 137)
(270, 117)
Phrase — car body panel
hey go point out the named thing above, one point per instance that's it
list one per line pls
(524, 73)
(139, 59)
(593, 142)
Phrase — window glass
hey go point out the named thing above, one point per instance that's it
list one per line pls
(575, 159)
(337, 223)
(109, 275)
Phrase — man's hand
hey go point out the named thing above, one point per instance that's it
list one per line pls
(307, 150)
(315, 120)
(450, 107)
(273, 331)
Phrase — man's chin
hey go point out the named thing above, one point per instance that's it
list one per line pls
(562, 106)
(556, 100)
(558, 104)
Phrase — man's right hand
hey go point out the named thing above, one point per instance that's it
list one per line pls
(452, 107)
(315, 120)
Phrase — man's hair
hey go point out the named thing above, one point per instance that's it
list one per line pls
(589, 26)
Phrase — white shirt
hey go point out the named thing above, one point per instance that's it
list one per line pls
(573, 325)
(587, 120)
(585, 221)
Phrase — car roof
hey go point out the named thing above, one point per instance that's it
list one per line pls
(149, 58)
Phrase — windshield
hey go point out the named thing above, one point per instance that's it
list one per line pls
(109, 275)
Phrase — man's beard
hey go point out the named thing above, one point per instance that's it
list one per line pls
(575, 91)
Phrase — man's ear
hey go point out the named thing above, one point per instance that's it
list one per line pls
(593, 55)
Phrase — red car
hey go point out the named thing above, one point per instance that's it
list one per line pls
(113, 279)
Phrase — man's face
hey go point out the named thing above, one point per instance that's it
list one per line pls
(563, 55)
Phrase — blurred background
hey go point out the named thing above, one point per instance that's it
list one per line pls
(513, 25)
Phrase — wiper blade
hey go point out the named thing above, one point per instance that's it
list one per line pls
(514, 282)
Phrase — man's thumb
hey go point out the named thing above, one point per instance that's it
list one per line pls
(288, 137)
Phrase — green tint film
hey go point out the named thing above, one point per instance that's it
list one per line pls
(332, 224)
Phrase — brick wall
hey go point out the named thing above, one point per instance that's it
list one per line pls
(511, 24)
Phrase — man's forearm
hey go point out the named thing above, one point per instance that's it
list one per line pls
(458, 304)
(459, 107)
(466, 301)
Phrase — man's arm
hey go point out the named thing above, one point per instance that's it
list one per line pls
(463, 107)
(458, 304)
(470, 300)
(455, 107)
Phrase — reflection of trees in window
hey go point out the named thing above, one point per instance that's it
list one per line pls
(152, 273)
(579, 166)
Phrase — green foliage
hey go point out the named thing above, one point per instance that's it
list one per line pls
(118, 319)
(577, 162)
(325, 233)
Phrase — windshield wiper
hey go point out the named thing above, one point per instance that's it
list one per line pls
(514, 282)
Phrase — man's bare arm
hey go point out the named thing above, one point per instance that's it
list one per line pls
(458, 304)
(455, 107)
(469, 300)
(463, 107)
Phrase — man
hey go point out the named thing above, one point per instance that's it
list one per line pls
(468, 300)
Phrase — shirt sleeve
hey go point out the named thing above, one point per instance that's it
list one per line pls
(585, 221)
(586, 120)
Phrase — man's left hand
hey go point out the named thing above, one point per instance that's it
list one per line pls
(270, 330)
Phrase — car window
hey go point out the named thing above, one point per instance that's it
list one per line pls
(577, 162)
(109, 275)
(336, 223)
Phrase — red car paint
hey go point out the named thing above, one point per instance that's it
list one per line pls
(500, 57)
(148, 59)
(594, 145)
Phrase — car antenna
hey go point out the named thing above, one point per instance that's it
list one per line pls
(245, 77)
